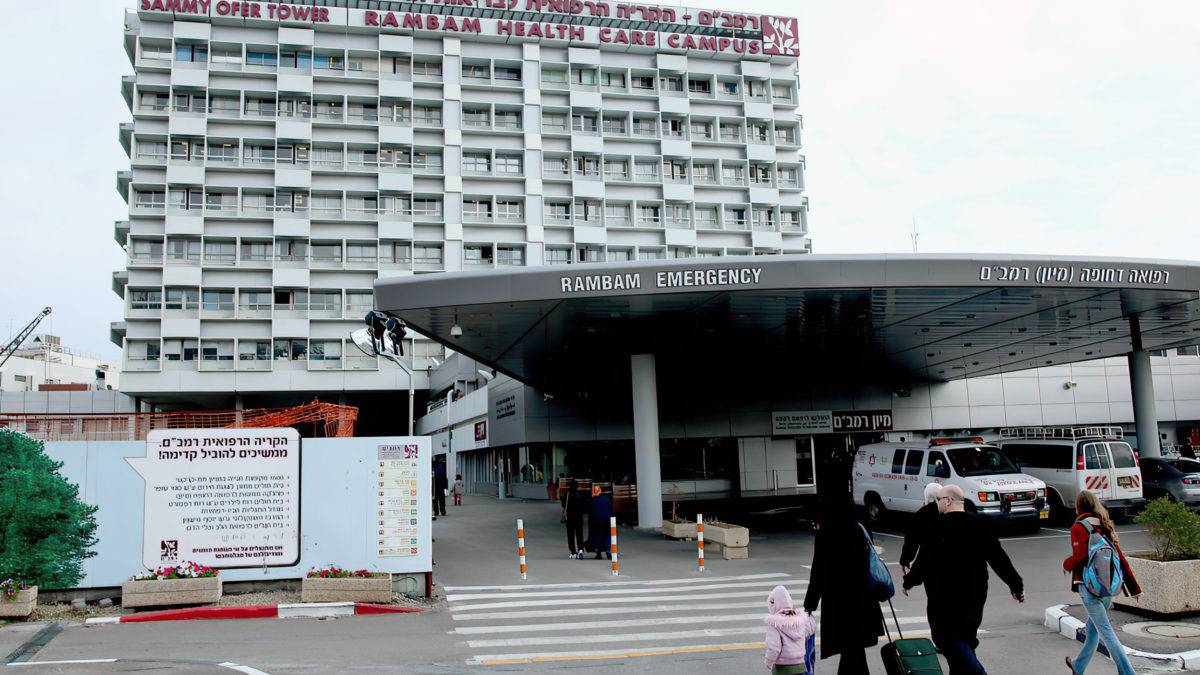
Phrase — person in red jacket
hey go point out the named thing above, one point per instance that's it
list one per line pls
(1089, 510)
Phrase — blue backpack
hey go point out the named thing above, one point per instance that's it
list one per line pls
(1102, 572)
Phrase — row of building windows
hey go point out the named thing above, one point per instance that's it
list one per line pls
(407, 255)
(477, 117)
(285, 252)
(360, 63)
(477, 208)
(188, 351)
(475, 161)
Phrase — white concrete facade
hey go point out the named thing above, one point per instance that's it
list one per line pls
(279, 166)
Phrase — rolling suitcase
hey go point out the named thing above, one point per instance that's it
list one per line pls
(914, 656)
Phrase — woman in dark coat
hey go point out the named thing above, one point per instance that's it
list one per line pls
(574, 509)
(599, 510)
(851, 619)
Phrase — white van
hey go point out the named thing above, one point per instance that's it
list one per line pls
(892, 477)
(1071, 459)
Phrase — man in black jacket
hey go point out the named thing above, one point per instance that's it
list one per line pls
(440, 485)
(953, 564)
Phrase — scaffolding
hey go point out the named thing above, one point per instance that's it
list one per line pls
(337, 421)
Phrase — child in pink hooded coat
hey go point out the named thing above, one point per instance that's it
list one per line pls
(787, 633)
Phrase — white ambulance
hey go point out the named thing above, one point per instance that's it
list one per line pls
(892, 477)
(1071, 459)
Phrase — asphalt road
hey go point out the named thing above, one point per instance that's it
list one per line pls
(660, 614)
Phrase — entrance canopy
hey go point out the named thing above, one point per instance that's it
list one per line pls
(894, 319)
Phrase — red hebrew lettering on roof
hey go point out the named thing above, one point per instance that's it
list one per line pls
(780, 36)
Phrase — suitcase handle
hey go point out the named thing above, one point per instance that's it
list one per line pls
(894, 619)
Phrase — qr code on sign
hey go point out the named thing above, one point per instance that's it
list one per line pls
(169, 550)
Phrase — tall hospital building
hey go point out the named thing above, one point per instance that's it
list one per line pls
(285, 156)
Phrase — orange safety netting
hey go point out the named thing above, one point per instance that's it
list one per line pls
(338, 421)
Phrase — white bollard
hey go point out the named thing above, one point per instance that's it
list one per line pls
(612, 541)
(521, 544)
(700, 538)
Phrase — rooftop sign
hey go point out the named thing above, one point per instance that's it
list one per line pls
(539, 20)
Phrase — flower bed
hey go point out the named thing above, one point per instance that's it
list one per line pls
(17, 599)
(333, 584)
(679, 529)
(184, 584)
(726, 534)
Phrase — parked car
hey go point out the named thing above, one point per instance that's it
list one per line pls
(1178, 479)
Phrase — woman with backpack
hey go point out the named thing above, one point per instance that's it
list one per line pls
(1095, 563)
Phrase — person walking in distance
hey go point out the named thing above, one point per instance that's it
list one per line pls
(952, 563)
(440, 488)
(458, 489)
(851, 619)
(1092, 517)
(573, 512)
(922, 524)
(787, 635)
(599, 510)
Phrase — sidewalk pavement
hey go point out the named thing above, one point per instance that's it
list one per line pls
(1156, 643)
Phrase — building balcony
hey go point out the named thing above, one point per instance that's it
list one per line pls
(210, 364)
(360, 362)
(217, 310)
(253, 364)
(142, 364)
(254, 311)
(143, 311)
(325, 263)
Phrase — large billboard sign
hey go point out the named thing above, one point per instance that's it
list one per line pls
(223, 498)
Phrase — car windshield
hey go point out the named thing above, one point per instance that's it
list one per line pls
(980, 461)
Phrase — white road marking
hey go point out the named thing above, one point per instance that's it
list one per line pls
(593, 611)
(611, 600)
(622, 623)
(756, 618)
(242, 669)
(607, 652)
(623, 637)
(608, 584)
(455, 597)
(59, 663)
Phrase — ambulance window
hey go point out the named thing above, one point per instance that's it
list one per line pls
(898, 461)
(913, 466)
(937, 466)
(1122, 455)
(1095, 456)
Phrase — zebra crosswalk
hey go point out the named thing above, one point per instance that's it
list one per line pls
(527, 623)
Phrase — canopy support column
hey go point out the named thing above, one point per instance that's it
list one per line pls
(645, 441)
(1141, 383)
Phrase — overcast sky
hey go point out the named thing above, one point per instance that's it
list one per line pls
(1020, 126)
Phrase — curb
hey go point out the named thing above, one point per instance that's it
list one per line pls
(1058, 620)
(309, 610)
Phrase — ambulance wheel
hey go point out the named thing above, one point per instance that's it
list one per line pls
(876, 511)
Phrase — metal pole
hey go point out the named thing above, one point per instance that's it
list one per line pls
(700, 538)
(410, 405)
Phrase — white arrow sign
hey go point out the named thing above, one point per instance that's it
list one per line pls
(221, 497)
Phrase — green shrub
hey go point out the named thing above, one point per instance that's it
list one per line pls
(1174, 530)
(46, 532)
